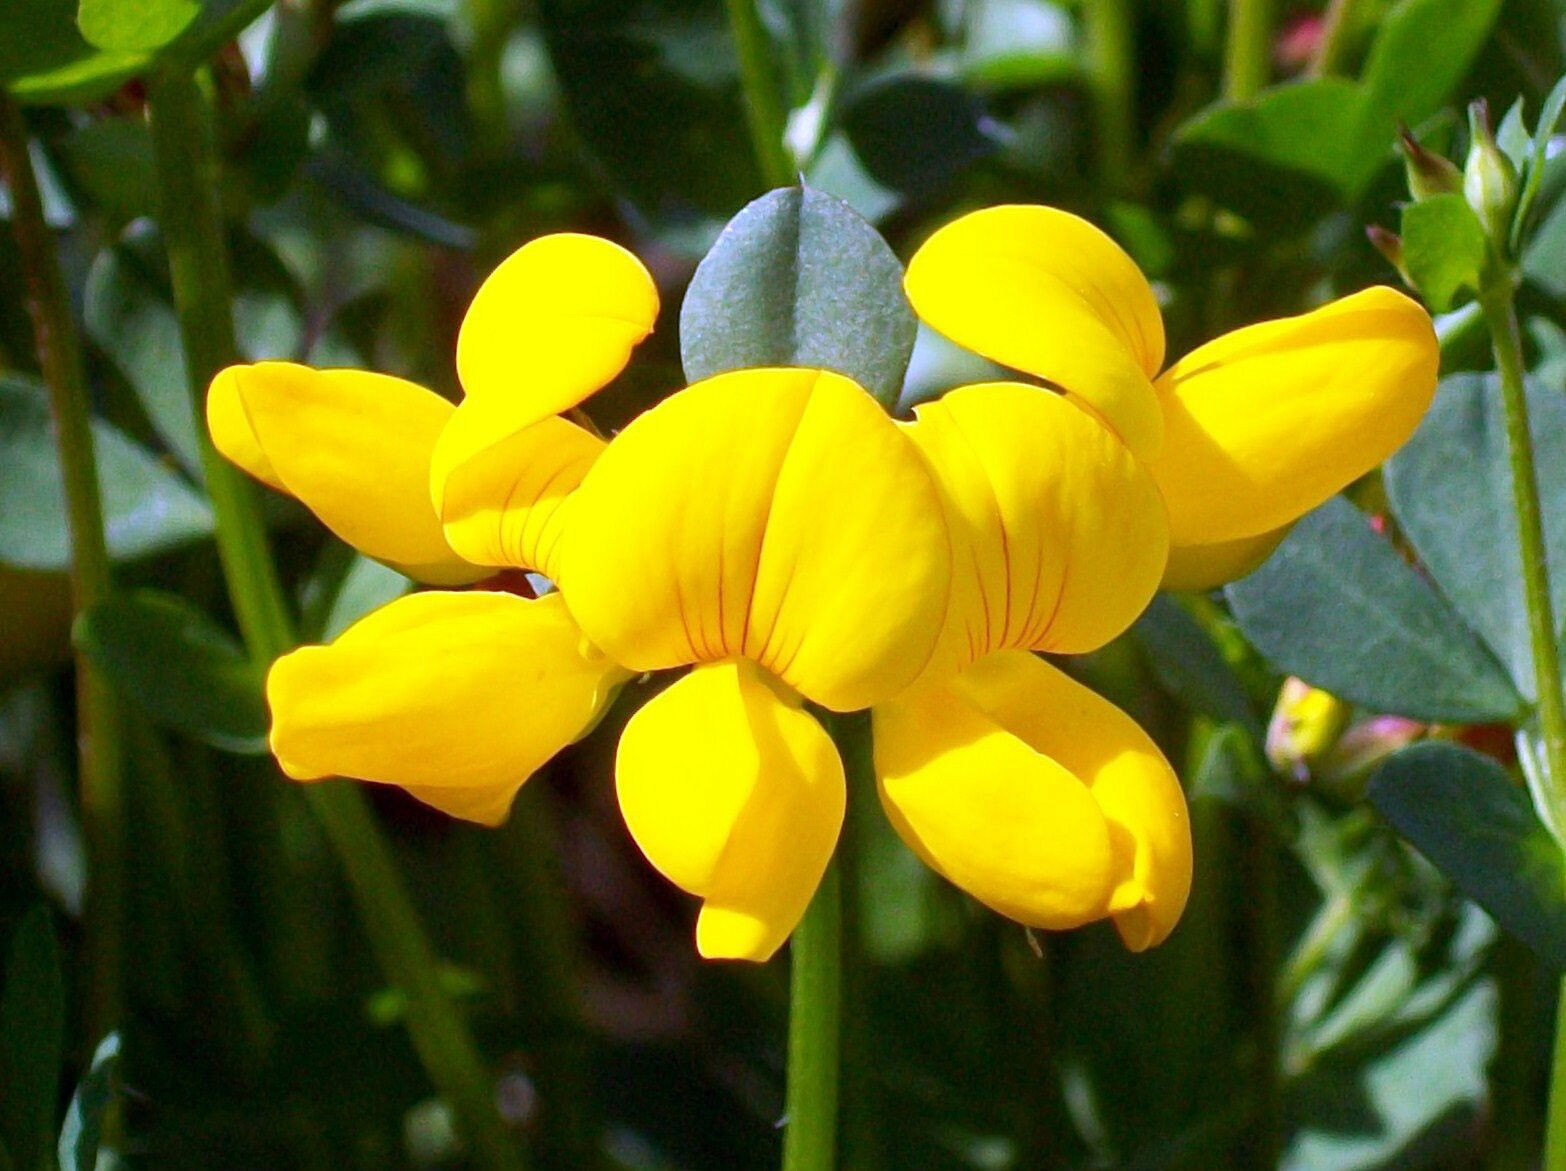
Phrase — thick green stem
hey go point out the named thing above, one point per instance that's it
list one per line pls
(810, 1135)
(189, 179)
(100, 751)
(1248, 50)
(764, 110)
(1112, 66)
(1500, 313)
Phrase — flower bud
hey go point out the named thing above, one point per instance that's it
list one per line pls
(1429, 174)
(1390, 245)
(1305, 724)
(1489, 178)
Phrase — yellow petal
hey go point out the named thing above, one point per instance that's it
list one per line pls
(456, 697)
(1123, 770)
(1059, 534)
(555, 322)
(1045, 292)
(498, 490)
(1267, 422)
(1006, 824)
(774, 514)
(352, 446)
(736, 795)
(1205, 567)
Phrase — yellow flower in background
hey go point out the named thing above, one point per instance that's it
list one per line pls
(1021, 786)
(1243, 435)
(456, 697)
(777, 530)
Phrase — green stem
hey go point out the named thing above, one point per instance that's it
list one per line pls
(1248, 49)
(189, 182)
(100, 752)
(1500, 313)
(1336, 24)
(810, 1137)
(763, 98)
(1112, 66)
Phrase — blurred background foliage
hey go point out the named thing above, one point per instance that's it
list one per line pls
(1329, 1002)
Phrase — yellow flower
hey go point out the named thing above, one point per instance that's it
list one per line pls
(456, 697)
(1243, 435)
(1021, 786)
(777, 530)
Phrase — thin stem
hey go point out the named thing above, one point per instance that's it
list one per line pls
(1336, 24)
(1248, 51)
(763, 98)
(100, 751)
(810, 1137)
(1506, 340)
(1500, 313)
(1112, 66)
(192, 225)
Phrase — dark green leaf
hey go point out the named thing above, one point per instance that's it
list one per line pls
(82, 1135)
(653, 88)
(1190, 665)
(798, 279)
(1478, 827)
(128, 315)
(1338, 607)
(147, 507)
(111, 159)
(43, 57)
(32, 1040)
(134, 25)
(180, 668)
(1450, 486)
(1443, 248)
(915, 134)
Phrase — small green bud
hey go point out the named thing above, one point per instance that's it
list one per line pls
(1489, 178)
(1429, 174)
(1390, 245)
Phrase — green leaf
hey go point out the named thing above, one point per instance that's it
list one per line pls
(1292, 154)
(915, 134)
(1478, 827)
(653, 89)
(43, 57)
(798, 279)
(32, 1040)
(1421, 54)
(179, 667)
(1450, 487)
(82, 1134)
(147, 507)
(1189, 664)
(134, 25)
(1338, 607)
(128, 315)
(1533, 173)
(1443, 248)
(368, 585)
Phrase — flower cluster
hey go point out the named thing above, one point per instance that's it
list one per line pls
(777, 533)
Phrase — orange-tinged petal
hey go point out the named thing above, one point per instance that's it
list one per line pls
(1059, 533)
(1045, 292)
(499, 491)
(352, 446)
(778, 515)
(1121, 767)
(736, 795)
(1265, 423)
(554, 322)
(456, 697)
(1205, 567)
